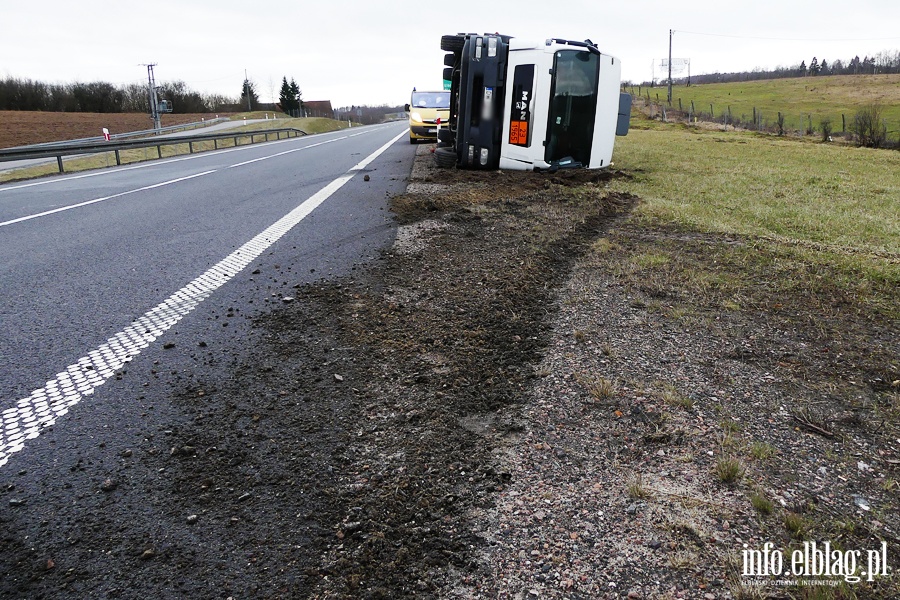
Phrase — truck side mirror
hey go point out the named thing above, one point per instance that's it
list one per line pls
(624, 120)
(406, 108)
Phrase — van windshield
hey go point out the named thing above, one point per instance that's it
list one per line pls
(431, 99)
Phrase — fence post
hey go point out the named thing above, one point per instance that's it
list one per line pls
(665, 118)
(754, 114)
(712, 114)
(843, 123)
(679, 106)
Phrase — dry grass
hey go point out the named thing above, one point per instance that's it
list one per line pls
(728, 469)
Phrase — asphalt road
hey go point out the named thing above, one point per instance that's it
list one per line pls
(84, 259)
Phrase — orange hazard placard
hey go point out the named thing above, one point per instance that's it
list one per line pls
(518, 133)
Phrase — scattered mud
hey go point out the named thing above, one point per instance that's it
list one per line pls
(529, 396)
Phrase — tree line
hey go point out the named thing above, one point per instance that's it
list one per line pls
(102, 97)
(887, 61)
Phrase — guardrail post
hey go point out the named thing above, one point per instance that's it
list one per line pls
(118, 159)
(191, 147)
(235, 141)
(158, 152)
(216, 143)
(59, 162)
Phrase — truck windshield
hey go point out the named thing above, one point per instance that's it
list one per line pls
(573, 105)
(431, 99)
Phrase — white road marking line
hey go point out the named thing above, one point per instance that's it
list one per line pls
(156, 185)
(44, 406)
(96, 200)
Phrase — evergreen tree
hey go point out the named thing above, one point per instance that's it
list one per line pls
(249, 90)
(868, 65)
(296, 94)
(823, 69)
(802, 70)
(285, 97)
(814, 66)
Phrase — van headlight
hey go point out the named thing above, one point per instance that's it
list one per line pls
(416, 117)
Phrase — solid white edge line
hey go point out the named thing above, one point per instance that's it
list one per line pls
(27, 417)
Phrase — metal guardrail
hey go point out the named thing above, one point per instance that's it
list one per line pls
(28, 152)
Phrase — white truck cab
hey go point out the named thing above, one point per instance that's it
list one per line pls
(524, 106)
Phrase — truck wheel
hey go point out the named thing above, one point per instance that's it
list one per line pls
(452, 43)
(445, 158)
(445, 135)
(449, 60)
(448, 73)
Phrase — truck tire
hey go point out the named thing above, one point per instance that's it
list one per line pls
(449, 60)
(448, 73)
(444, 158)
(452, 43)
(445, 135)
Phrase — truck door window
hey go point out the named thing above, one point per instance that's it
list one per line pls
(573, 106)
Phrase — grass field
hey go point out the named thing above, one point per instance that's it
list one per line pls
(822, 97)
(792, 247)
(822, 203)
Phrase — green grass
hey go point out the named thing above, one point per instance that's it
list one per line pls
(826, 203)
(822, 97)
(728, 469)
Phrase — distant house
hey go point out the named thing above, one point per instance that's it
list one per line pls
(318, 108)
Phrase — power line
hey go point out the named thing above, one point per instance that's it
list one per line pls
(750, 37)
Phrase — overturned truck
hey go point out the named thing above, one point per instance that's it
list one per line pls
(530, 106)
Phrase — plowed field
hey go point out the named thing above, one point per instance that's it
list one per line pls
(20, 128)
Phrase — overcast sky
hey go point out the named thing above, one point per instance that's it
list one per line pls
(374, 52)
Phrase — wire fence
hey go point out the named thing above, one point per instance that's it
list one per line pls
(775, 122)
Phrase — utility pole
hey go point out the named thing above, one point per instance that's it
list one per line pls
(670, 66)
(154, 102)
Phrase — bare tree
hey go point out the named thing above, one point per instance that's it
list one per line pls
(869, 127)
